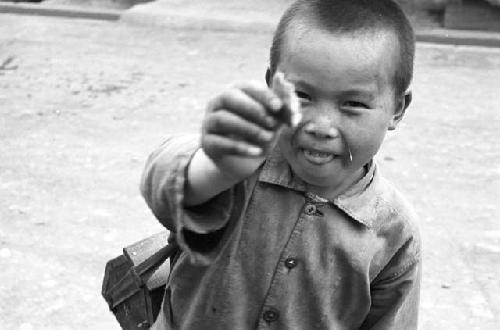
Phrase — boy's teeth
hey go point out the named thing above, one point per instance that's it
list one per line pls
(318, 157)
(317, 153)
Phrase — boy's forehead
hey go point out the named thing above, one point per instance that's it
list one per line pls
(361, 55)
(301, 29)
(379, 42)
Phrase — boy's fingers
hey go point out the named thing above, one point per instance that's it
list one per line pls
(226, 123)
(263, 95)
(217, 146)
(235, 100)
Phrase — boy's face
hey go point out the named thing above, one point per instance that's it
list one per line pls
(344, 82)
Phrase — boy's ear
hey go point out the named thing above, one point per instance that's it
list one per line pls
(268, 77)
(401, 107)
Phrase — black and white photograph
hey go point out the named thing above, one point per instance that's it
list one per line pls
(241, 165)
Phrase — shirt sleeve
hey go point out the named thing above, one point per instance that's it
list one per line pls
(396, 290)
(198, 229)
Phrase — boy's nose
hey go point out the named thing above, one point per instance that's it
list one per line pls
(321, 130)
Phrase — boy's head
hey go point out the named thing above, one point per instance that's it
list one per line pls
(354, 17)
(351, 63)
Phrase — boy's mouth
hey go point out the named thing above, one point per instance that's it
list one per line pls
(317, 157)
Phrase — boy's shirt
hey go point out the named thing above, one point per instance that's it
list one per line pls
(267, 254)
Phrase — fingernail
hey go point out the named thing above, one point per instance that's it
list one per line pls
(276, 104)
(266, 136)
(254, 151)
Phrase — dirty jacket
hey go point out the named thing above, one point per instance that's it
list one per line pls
(267, 254)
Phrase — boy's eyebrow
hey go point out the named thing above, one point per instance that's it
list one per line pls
(366, 93)
(357, 91)
(300, 82)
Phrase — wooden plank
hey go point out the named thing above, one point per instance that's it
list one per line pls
(140, 251)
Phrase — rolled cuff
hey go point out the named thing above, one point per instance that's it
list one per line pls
(199, 229)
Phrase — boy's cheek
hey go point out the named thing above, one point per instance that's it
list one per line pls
(365, 149)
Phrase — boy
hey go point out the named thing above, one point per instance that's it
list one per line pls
(293, 227)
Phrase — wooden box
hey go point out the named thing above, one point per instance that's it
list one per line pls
(134, 283)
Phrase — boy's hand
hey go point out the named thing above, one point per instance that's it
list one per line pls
(240, 127)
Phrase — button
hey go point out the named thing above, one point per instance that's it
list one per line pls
(310, 209)
(271, 315)
(291, 263)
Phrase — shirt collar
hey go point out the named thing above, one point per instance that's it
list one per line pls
(359, 202)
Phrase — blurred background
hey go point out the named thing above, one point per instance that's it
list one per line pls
(88, 88)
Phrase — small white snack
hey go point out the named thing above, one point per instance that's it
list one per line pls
(286, 92)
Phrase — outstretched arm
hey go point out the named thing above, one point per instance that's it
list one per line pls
(193, 190)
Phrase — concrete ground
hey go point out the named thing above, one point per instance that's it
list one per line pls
(84, 102)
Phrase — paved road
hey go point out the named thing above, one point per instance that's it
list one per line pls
(82, 103)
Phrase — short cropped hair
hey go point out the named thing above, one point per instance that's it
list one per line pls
(350, 16)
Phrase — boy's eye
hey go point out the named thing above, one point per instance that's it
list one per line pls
(356, 104)
(303, 96)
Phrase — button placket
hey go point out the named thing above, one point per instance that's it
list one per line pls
(281, 274)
